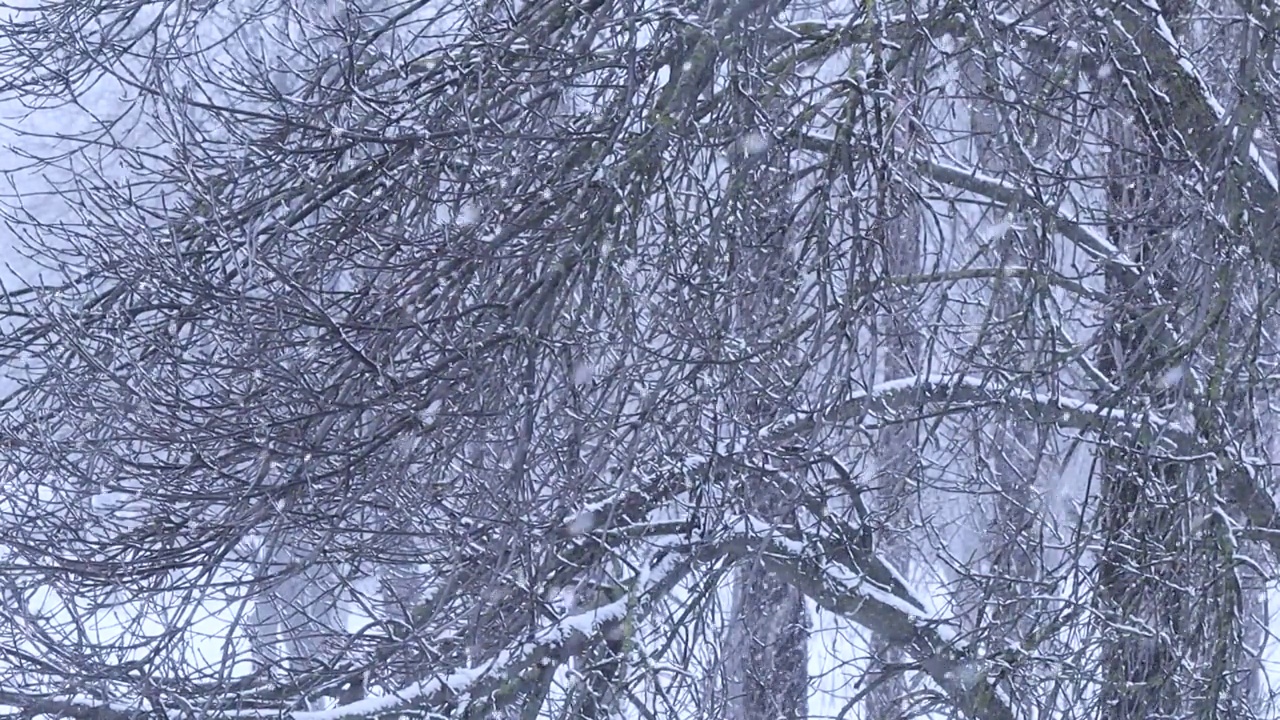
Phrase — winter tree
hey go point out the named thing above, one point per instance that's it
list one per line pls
(639, 359)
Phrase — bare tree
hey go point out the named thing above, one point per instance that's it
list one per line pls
(396, 359)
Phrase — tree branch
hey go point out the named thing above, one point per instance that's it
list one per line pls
(893, 401)
(851, 593)
(1171, 94)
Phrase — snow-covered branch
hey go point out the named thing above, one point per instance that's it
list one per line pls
(892, 401)
(1006, 194)
(895, 400)
(76, 707)
(1010, 195)
(1174, 92)
(494, 682)
(894, 614)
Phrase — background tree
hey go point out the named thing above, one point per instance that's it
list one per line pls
(404, 359)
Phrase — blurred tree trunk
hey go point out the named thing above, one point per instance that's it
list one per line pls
(1141, 529)
(1169, 594)
(766, 648)
(895, 229)
(1008, 451)
(1176, 596)
(1148, 555)
(298, 609)
(766, 651)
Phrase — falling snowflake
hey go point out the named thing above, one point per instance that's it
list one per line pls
(1173, 376)
(967, 674)
(583, 371)
(755, 143)
(467, 215)
(581, 524)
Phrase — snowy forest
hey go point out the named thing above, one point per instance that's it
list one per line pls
(639, 359)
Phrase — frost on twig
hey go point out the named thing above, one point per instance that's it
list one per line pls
(490, 684)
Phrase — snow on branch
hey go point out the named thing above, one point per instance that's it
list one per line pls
(79, 707)
(1007, 194)
(1189, 103)
(894, 400)
(654, 580)
(630, 505)
(1179, 96)
(552, 644)
(894, 614)
(1010, 195)
(854, 574)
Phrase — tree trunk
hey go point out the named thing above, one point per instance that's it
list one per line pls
(1143, 564)
(897, 447)
(1008, 450)
(767, 643)
(766, 651)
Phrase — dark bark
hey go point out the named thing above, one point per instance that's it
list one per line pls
(767, 652)
(1144, 561)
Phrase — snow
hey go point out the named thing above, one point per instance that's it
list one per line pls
(586, 623)
(748, 526)
(967, 674)
(109, 501)
(1069, 411)
(971, 180)
(841, 577)
(581, 524)
(998, 230)
(1202, 88)
(755, 143)
(583, 372)
(792, 423)
(827, 25)
(467, 215)
(124, 708)
(1173, 376)
(694, 462)
(859, 584)
(120, 505)
(584, 519)
(1250, 563)
(1119, 627)
(427, 416)
(916, 597)
(565, 599)
(1256, 158)
(960, 390)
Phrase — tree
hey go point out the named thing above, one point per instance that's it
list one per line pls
(466, 360)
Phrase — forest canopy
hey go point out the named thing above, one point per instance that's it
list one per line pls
(644, 359)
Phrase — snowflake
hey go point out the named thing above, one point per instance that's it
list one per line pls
(467, 215)
(755, 143)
